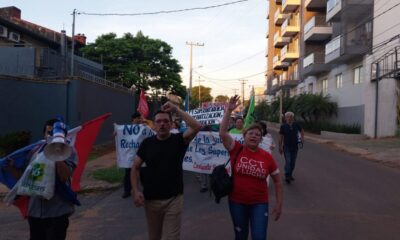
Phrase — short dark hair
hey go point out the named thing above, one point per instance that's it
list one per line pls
(237, 118)
(160, 112)
(49, 122)
(251, 127)
(264, 127)
(135, 115)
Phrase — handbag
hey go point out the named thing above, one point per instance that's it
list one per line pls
(221, 183)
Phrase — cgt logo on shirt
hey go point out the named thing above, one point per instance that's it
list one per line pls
(252, 167)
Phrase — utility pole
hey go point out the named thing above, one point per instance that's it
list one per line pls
(73, 42)
(235, 90)
(199, 81)
(191, 44)
(243, 82)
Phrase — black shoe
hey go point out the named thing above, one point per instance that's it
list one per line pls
(287, 180)
(291, 178)
(126, 194)
(203, 189)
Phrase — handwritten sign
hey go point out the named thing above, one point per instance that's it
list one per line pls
(208, 116)
(127, 141)
(204, 152)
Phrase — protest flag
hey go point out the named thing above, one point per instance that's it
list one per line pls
(83, 145)
(143, 108)
(250, 112)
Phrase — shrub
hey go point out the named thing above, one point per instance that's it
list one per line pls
(331, 127)
(14, 141)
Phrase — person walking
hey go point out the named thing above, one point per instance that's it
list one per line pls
(49, 219)
(290, 134)
(248, 201)
(136, 118)
(158, 167)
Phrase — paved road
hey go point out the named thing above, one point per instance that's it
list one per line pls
(335, 196)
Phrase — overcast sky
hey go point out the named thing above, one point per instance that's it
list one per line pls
(233, 36)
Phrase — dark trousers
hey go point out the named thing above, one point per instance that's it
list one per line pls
(290, 161)
(127, 181)
(48, 228)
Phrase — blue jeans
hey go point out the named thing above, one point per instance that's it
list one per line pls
(290, 161)
(256, 214)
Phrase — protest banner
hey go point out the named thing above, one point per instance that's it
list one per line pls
(204, 152)
(127, 142)
(208, 116)
(207, 151)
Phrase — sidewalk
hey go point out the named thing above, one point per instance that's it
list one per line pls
(385, 151)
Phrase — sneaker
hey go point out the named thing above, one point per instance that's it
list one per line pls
(126, 194)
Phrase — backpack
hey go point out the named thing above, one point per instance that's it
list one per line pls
(220, 181)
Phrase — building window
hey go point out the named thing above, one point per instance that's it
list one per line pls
(339, 81)
(325, 86)
(357, 75)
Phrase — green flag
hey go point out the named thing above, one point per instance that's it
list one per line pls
(250, 112)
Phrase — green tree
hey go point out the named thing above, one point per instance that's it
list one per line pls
(221, 98)
(205, 96)
(137, 61)
(262, 111)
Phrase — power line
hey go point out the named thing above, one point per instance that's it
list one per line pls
(163, 11)
(233, 79)
(233, 64)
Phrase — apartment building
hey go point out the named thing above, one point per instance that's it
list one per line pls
(283, 47)
(382, 88)
(335, 46)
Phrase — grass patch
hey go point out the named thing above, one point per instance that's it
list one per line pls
(101, 150)
(111, 175)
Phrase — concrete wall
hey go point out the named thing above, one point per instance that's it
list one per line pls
(27, 103)
(384, 29)
(350, 94)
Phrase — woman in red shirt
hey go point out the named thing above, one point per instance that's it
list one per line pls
(248, 201)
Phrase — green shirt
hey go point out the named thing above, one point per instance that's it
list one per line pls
(235, 131)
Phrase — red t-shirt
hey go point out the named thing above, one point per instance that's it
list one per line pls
(249, 175)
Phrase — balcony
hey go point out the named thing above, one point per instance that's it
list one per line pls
(280, 42)
(289, 80)
(279, 18)
(333, 8)
(277, 64)
(317, 30)
(289, 55)
(314, 64)
(341, 49)
(354, 9)
(315, 5)
(289, 6)
(290, 27)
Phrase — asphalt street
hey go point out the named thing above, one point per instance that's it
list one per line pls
(335, 196)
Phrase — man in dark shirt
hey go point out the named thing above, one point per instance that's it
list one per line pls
(158, 165)
(290, 134)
